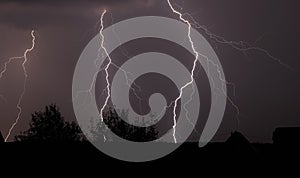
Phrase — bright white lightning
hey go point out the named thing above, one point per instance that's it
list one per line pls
(128, 81)
(106, 69)
(192, 71)
(111, 63)
(240, 45)
(197, 54)
(25, 59)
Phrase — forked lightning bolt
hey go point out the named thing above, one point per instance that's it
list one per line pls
(89, 90)
(106, 69)
(111, 63)
(238, 45)
(25, 59)
(181, 89)
(192, 71)
(241, 46)
(197, 54)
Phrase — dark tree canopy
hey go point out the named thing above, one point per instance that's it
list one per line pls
(120, 127)
(49, 126)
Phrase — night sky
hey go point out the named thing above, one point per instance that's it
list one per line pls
(267, 93)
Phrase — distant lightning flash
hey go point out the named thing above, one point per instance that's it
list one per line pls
(25, 59)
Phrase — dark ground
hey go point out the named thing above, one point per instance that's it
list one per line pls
(236, 157)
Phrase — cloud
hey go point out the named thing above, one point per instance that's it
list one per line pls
(36, 13)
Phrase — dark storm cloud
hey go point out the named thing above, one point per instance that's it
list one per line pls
(35, 13)
(68, 2)
(266, 93)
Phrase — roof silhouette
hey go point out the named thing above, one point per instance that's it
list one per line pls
(239, 144)
(286, 135)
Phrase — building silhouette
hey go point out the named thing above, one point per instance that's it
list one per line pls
(286, 136)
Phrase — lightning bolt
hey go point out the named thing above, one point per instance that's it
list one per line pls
(238, 45)
(106, 69)
(197, 54)
(192, 71)
(110, 63)
(25, 59)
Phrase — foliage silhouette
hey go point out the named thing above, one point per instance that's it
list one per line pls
(118, 124)
(49, 126)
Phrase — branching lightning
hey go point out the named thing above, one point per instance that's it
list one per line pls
(25, 59)
(190, 22)
(240, 46)
(192, 71)
(106, 69)
(110, 63)
(197, 54)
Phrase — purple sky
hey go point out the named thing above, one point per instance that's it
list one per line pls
(267, 93)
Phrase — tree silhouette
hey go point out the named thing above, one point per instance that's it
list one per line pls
(49, 126)
(118, 125)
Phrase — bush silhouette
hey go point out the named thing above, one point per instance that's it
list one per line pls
(49, 126)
